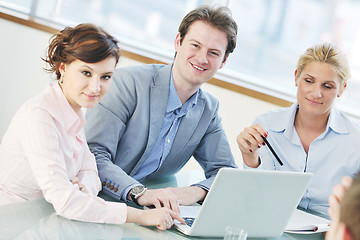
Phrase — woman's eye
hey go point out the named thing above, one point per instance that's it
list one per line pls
(86, 73)
(308, 80)
(195, 45)
(106, 77)
(328, 86)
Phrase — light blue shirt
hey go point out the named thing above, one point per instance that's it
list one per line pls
(332, 155)
(174, 112)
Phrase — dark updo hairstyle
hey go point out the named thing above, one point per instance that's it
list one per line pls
(85, 42)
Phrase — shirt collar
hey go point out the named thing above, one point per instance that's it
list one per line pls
(336, 122)
(174, 100)
(286, 122)
(73, 122)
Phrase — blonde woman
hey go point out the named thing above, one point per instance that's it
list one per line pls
(311, 135)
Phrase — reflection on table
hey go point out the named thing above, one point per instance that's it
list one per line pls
(38, 220)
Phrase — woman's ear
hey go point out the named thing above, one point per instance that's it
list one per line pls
(62, 68)
(342, 89)
(296, 82)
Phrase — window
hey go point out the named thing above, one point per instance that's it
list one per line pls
(272, 34)
(23, 6)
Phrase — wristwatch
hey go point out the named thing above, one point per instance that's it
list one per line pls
(137, 192)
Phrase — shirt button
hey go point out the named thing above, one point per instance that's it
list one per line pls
(168, 140)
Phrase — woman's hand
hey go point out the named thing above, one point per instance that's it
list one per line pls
(249, 141)
(75, 180)
(162, 218)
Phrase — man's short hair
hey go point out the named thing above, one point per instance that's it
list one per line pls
(219, 17)
(350, 208)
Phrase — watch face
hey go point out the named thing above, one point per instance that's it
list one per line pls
(136, 190)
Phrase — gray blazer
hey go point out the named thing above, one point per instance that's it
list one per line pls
(122, 130)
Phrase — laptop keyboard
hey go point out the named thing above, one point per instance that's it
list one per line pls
(189, 221)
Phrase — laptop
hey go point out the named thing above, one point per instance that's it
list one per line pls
(258, 201)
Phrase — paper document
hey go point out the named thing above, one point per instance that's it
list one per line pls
(305, 223)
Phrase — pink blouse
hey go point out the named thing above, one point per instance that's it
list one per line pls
(43, 148)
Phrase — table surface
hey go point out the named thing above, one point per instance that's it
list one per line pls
(37, 220)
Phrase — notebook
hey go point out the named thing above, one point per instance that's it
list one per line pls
(258, 201)
(306, 223)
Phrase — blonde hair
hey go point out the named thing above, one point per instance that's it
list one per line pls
(326, 53)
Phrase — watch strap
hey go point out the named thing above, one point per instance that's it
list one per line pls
(134, 199)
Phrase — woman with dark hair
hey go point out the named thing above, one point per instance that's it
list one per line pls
(44, 153)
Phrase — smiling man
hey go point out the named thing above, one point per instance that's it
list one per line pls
(155, 117)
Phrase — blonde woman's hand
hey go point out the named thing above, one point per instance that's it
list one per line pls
(249, 141)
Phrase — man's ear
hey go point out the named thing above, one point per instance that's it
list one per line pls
(343, 232)
(223, 63)
(177, 42)
(347, 234)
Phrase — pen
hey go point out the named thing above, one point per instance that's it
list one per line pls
(272, 150)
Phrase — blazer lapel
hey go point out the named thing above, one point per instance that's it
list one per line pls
(159, 94)
(158, 104)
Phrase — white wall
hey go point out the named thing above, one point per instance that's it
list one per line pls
(22, 76)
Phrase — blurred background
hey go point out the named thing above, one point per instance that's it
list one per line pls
(272, 34)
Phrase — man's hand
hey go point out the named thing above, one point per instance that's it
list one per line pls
(159, 198)
(172, 198)
(338, 193)
(189, 195)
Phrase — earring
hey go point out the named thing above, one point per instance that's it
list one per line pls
(62, 79)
